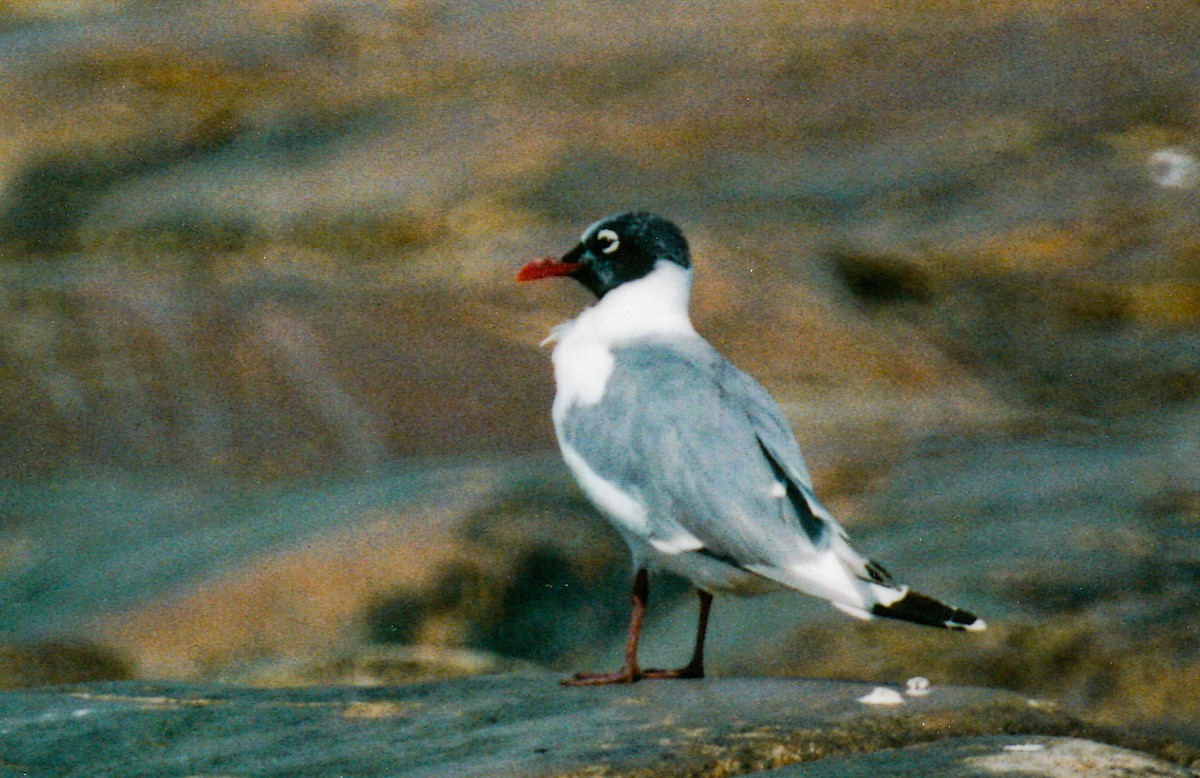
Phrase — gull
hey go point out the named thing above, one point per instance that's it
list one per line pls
(690, 458)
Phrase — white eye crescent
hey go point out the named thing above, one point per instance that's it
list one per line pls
(611, 240)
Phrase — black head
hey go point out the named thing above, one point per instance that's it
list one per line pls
(615, 250)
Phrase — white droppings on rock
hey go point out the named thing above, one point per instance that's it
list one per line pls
(917, 686)
(882, 696)
(1173, 168)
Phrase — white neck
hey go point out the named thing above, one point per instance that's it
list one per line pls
(654, 305)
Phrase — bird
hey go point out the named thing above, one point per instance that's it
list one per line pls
(688, 457)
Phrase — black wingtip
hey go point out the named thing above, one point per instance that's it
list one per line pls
(923, 609)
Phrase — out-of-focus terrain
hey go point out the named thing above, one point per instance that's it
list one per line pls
(273, 410)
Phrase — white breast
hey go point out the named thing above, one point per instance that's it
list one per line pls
(582, 367)
(652, 306)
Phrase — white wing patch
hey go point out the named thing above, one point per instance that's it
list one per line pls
(621, 507)
(625, 510)
(823, 575)
(849, 610)
(887, 596)
(678, 543)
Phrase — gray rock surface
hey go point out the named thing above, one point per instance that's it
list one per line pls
(527, 725)
(1050, 757)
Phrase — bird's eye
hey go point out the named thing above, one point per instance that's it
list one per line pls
(608, 240)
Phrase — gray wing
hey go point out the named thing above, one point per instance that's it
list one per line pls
(707, 451)
(778, 443)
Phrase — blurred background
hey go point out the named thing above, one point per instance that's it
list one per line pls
(273, 410)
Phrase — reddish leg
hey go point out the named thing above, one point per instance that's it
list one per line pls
(631, 672)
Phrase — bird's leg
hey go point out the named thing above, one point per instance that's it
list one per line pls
(695, 667)
(630, 672)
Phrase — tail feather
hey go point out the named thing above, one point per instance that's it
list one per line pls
(863, 589)
(923, 609)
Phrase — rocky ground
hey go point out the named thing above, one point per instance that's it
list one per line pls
(527, 725)
(273, 412)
